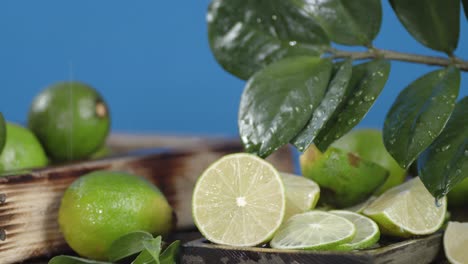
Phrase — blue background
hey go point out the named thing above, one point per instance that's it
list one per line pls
(151, 61)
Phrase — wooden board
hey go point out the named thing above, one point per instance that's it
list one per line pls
(413, 251)
(29, 201)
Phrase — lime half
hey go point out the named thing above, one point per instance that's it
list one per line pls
(239, 201)
(302, 194)
(456, 242)
(313, 230)
(406, 210)
(367, 231)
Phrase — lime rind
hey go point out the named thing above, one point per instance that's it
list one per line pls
(314, 230)
(407, 210)
(367, 231)
(239, 200)
(456, 242)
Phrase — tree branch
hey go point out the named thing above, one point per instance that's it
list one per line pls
(400, 56)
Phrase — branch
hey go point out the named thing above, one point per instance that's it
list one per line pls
(400, 56)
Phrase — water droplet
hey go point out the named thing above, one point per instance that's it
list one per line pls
(438, 202)
(274, 17)
(368, 98)
(358, 93)
(351, 102)
(292, 43)
(259, 20)
(466, 152)
(445, 148)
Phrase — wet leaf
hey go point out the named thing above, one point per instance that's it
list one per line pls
(128, 245)
(279, 100)
(2, 132)
(154, 248)
(348, 22)
(169, 256)
(434, 23)
(445, 163)
(367, 81)
(73, 260)
(144, 258)
(246, 35)
(419, 114)
(335, 95)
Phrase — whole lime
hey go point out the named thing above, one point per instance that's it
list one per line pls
(102, 206)
(458, 196)
(22, 149)
(368, 145)
(70, 119)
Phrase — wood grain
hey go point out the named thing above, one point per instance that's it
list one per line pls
(29, 201)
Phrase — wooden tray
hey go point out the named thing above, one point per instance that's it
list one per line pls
(412, 251)
(29, 201)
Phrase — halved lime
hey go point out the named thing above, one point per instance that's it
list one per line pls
(313, 230)
(302, 194)
(239, 201)
(367, 231)
(456, 242)
(406, 210)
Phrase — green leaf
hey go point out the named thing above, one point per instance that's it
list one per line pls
(367, 81)
(128, 245)
(434, 23)
(335, 95)
(247, 35)
(465, 5)
(154, 248)
(419, 114)
(144, 258)
(2, 132)
(73, 260)
(355, 22)
(445, 163)
(279, 100)
(169, 256)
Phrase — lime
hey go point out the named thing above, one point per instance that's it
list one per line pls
(102, 206)
(314, 230)
(456, 242)
(359, 208)
(302, 194)
(368, 144)
(22, 150)
(239, 201)
(344, 179)
(70, 119)
(406, 210)
(458, 196)
(2, 132)
(367, 231)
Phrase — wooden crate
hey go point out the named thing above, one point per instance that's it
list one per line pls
(29, 201)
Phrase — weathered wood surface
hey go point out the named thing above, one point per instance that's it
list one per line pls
(413, 251)
(29, 201)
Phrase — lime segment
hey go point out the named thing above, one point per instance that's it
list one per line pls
(406, 210)
(367, 231)
(456, 242)
(239, 201)
(314, 230)
(302, 194)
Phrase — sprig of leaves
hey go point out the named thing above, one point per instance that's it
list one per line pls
(290, 96)
(125, 248)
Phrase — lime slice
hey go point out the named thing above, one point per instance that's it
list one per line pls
(456, 242)
(302, 194)
(359, 208)
(313, 230)
(367, 231)
(406, 210)
(239, 201)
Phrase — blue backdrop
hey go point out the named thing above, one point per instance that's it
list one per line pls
(151, 61)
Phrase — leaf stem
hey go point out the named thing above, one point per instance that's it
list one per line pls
(400, 56)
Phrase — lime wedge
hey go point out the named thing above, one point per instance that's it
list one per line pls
(313, 230)
(456, 242)
(367, 231)
(302, 194)
(406, 210)
(359, 208)
(239, 201)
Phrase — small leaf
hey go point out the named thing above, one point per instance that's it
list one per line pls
(335, 95)
(73, 260)
(465, 6)
(154, 248)
(169, 256)
(419, 114)
(144, 258)
(128, 245)
(434, 23)
(348, 22)
(367, 81)
(2, 132)
(445, 163)
(247, 35)
(279, 100)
